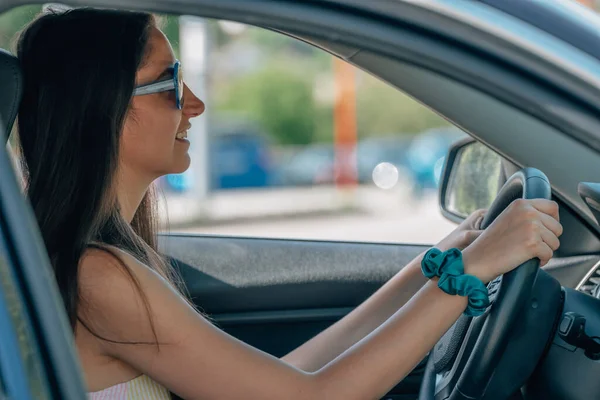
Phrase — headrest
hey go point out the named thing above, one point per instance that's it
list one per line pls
(11, 90)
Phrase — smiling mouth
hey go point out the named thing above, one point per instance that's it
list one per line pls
(183, 134)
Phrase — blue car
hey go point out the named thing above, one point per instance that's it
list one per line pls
(239, 158)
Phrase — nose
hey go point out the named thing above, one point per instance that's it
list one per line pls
(192, 105)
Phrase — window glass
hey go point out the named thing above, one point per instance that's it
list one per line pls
(301, 145)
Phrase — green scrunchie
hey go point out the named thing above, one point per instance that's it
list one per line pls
(449, 267)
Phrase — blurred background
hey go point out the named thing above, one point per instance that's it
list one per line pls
(295, 143)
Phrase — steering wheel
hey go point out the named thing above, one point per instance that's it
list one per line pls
(462, 363)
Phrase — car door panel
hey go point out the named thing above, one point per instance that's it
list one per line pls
(245, 274)
(277, 294)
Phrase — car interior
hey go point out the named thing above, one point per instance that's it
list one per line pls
(276, 294)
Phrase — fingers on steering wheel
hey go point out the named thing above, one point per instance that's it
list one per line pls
(552, 224)
(547, 207)
(550, 238)
(544, 253)
(480, 215)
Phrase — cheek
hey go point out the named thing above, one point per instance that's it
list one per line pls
(149, 137)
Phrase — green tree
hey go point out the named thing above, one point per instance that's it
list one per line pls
(382, 109)
(280, 97)
(169, 24)
(281, 101)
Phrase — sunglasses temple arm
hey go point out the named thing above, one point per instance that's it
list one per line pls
(154, 88)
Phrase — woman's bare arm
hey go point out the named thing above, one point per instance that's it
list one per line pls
(329, 344)
(198, 361)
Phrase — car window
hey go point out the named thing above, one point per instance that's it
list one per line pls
(301, 145)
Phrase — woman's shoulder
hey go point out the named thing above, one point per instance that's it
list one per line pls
(119, 295)
(108, 265)
(101, 253)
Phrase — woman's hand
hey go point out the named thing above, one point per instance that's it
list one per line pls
(526, 229)
(464, 234)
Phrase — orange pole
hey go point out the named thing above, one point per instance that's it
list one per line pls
(345, 136)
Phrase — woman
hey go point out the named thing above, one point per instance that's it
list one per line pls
(104, 114)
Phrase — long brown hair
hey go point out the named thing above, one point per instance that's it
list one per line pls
(79, 69)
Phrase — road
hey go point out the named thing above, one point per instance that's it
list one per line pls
(382, 217)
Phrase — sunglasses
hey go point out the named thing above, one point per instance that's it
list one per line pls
(164, 85)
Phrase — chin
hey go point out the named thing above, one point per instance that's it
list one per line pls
(181, 165)
(178, 166)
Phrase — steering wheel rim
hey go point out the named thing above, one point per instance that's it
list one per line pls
(466, 369)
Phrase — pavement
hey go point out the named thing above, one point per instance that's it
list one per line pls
(366, 214)
(259, 204)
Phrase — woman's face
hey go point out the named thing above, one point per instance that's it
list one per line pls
(149, 146)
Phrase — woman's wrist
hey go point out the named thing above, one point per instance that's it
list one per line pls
(448, 270)
(446, 245)
(458, 239)
(470, 262)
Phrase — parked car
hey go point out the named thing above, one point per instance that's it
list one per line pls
(312, 165)
(522, 77)
(240, 156)
(316, 164)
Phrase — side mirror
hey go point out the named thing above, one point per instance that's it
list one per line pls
(471, 179)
